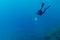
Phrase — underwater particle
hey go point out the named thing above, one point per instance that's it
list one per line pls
(36, 19)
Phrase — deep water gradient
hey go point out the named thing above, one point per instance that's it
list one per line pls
(19, 19)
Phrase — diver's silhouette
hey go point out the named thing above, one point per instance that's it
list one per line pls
(40, 12)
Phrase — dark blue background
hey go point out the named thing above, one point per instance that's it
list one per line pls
(17, 19)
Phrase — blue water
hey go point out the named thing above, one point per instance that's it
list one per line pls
(19, 19)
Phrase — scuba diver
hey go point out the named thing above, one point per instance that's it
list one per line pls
(40, 12)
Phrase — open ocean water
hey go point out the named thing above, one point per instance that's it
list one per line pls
(19, 19)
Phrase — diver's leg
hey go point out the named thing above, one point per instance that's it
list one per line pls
(42, 5)
(46, 8)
